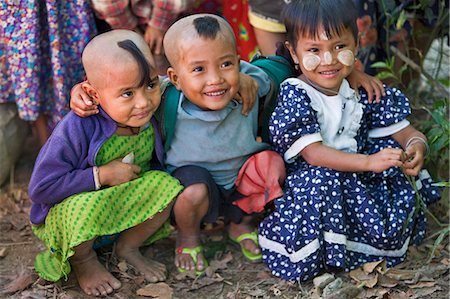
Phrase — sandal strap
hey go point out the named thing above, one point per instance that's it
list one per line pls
(248, 236)
(193, 252)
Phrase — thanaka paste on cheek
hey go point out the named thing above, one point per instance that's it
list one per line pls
(310, 61)
(346, 57)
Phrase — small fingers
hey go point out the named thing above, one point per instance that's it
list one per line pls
(412, 171)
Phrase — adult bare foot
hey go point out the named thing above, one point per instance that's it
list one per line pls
(189, 254)
(152, 270)
(93, 278)
(237, 230)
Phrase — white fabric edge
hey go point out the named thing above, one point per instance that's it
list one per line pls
(332, 238)
(95, 172)
(387, 131)
(295, 149)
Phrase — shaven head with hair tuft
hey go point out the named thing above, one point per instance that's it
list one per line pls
(204, 26)
(121, 77)
(112, 49)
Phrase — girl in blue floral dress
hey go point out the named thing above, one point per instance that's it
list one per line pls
(348, 199)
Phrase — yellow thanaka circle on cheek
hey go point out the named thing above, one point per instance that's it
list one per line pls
(310, 62)
(346, 57)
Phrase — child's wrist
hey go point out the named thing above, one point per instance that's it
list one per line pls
(417, 139)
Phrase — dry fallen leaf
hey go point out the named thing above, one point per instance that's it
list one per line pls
(123, 267)
(205, 281)
(156, 290)
(359, 275)
(387, 282)
(24, 279)
(400, 274)
(215, 265)
(321, 281)
(332, 287)
(348, 292)
(264, 275)
(423, 284)
(369, 267)
(400, 295)
(377, 292)
(445, 261)
(38, 294)
(425, 292)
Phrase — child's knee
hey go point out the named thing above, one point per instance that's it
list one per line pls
(194, 195)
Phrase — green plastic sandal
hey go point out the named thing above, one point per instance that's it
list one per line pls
(193, 252)
(254, 258)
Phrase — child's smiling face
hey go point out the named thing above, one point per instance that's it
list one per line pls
(207, 71)
(126, 102)
(325, 61)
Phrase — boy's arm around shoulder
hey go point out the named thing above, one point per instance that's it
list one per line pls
(62, 168)
(263, 80)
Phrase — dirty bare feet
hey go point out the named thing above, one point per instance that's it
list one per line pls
(92, 277)
(152, 270)
(189, 254)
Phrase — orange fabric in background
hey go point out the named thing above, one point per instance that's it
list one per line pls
(260, 180)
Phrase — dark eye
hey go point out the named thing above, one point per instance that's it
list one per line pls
(151, 85)
(198, 69)
(313, 50)
(227, 64)
(340, 46)
(127, 94)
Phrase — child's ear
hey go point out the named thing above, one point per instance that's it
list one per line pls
(173, 77)
(91, 91)
(292, 52)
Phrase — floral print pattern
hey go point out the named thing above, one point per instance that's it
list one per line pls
(40, 48)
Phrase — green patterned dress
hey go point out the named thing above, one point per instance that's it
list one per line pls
(86, 216)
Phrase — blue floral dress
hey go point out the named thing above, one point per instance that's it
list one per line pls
(329, 218)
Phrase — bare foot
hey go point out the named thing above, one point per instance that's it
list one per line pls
(235, 230)
(152, 270)
(93, 278)
(184, 261)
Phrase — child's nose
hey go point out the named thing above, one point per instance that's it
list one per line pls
(142, 100)
(215, 77)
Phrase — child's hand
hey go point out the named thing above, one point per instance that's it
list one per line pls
(117, 172)
(385, 159)
(370, 84)
(248, 89)
(154, 38)
(81, 103)
(415, 154)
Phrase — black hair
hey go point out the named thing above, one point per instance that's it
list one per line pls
(303, 18)
(144, 66)
(207, 26)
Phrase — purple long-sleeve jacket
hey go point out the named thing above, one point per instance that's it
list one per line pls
(64, 166)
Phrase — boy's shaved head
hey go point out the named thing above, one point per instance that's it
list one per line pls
(112, 49)
(205, 26)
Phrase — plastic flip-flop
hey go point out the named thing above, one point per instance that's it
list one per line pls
(193, 252)
(247, 253)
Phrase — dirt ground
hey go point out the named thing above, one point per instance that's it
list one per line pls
(230, 276)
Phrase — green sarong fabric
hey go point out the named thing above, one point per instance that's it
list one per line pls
(85, 216)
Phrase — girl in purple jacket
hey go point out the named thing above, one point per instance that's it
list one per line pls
(92, 182)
